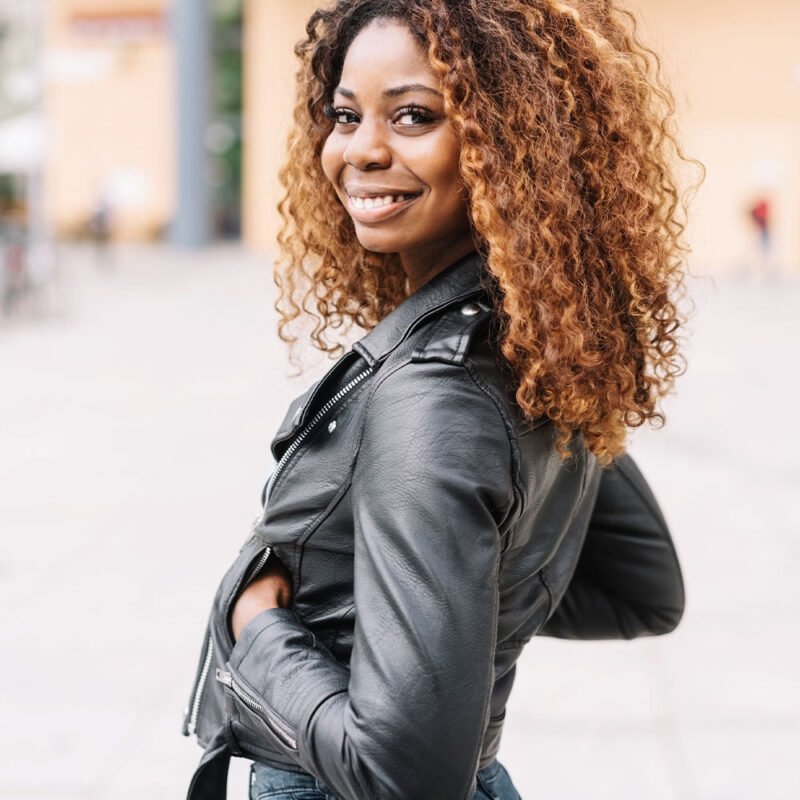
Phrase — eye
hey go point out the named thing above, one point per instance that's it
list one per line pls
(341, 116)
(414, 115)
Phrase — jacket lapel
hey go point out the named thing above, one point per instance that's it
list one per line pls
(453, 284)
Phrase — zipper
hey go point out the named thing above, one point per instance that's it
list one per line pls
(199, 687)
(256, 569)
(255, 705)
(310, 425)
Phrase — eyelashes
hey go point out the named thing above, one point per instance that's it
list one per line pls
(335, 114)
(345, 116)
(422, 114)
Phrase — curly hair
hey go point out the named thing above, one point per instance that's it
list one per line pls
(568, 157)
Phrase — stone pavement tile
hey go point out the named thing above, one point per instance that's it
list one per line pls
(730, 675)
(577, 682)
(157, 763)
(555, 764)
(33, 791)
(589, 721)
(746, 761)
(56, 749)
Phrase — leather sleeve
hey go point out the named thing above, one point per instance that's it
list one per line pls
(627, 582)
(431, 489)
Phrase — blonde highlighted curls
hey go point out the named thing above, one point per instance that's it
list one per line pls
(568, 156)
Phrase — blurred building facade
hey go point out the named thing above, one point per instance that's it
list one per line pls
(21, 124)
(111, 99)
(109, 103)
(111, 93)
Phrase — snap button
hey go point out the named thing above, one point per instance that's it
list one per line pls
(470, 309)
(332, 426)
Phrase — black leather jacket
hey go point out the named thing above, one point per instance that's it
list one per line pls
(431, 531)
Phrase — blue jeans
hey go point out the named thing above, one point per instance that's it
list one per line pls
(270, 783)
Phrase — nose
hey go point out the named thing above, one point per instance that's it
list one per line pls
(367, 148)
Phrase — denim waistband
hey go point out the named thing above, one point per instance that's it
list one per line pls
(493, 783)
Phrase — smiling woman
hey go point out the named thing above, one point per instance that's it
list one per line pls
(486, 187)
(393, 154)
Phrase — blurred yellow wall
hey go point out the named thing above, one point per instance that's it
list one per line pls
(109, 104)
(735, 66)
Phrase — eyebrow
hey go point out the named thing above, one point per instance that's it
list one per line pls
(395, 91)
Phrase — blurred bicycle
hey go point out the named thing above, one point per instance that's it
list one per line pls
(27, 272)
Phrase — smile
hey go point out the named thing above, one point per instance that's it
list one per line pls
(378, 208)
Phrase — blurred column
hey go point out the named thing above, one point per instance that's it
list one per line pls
(35, 198)
(191, 226)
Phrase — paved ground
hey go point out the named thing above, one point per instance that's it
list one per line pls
(134, 426)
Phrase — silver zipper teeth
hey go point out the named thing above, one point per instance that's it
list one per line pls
(199, 688)
(290, 451)
(259, 708)
(257, 568)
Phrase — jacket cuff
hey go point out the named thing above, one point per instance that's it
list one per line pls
(290, 671)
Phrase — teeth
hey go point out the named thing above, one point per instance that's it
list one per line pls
(377, 202)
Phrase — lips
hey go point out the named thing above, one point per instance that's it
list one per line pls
(378, 204)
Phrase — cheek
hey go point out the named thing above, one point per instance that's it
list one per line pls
(443, 167)
(331, 160)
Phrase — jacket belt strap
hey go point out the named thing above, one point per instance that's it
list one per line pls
(210, 779)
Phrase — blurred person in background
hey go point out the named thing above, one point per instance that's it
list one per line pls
(100, 227)
(761, 216)
(486, 187)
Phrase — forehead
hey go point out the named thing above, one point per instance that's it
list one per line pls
(385, 51)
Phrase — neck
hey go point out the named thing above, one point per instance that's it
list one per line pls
(421, 266)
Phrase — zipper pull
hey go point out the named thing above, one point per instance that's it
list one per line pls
(224, 677)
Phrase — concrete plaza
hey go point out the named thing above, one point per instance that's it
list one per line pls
(135, 418)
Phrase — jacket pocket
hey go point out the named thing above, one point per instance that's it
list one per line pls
(254, 717)
(248, 565)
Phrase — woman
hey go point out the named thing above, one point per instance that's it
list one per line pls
(484, 185)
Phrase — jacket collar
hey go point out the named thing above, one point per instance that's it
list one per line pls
(456, 283)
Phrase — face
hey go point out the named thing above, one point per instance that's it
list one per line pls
(392, 156)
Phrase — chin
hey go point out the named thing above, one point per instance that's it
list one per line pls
(383, 243)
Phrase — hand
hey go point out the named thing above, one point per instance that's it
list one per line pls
(271, 589)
